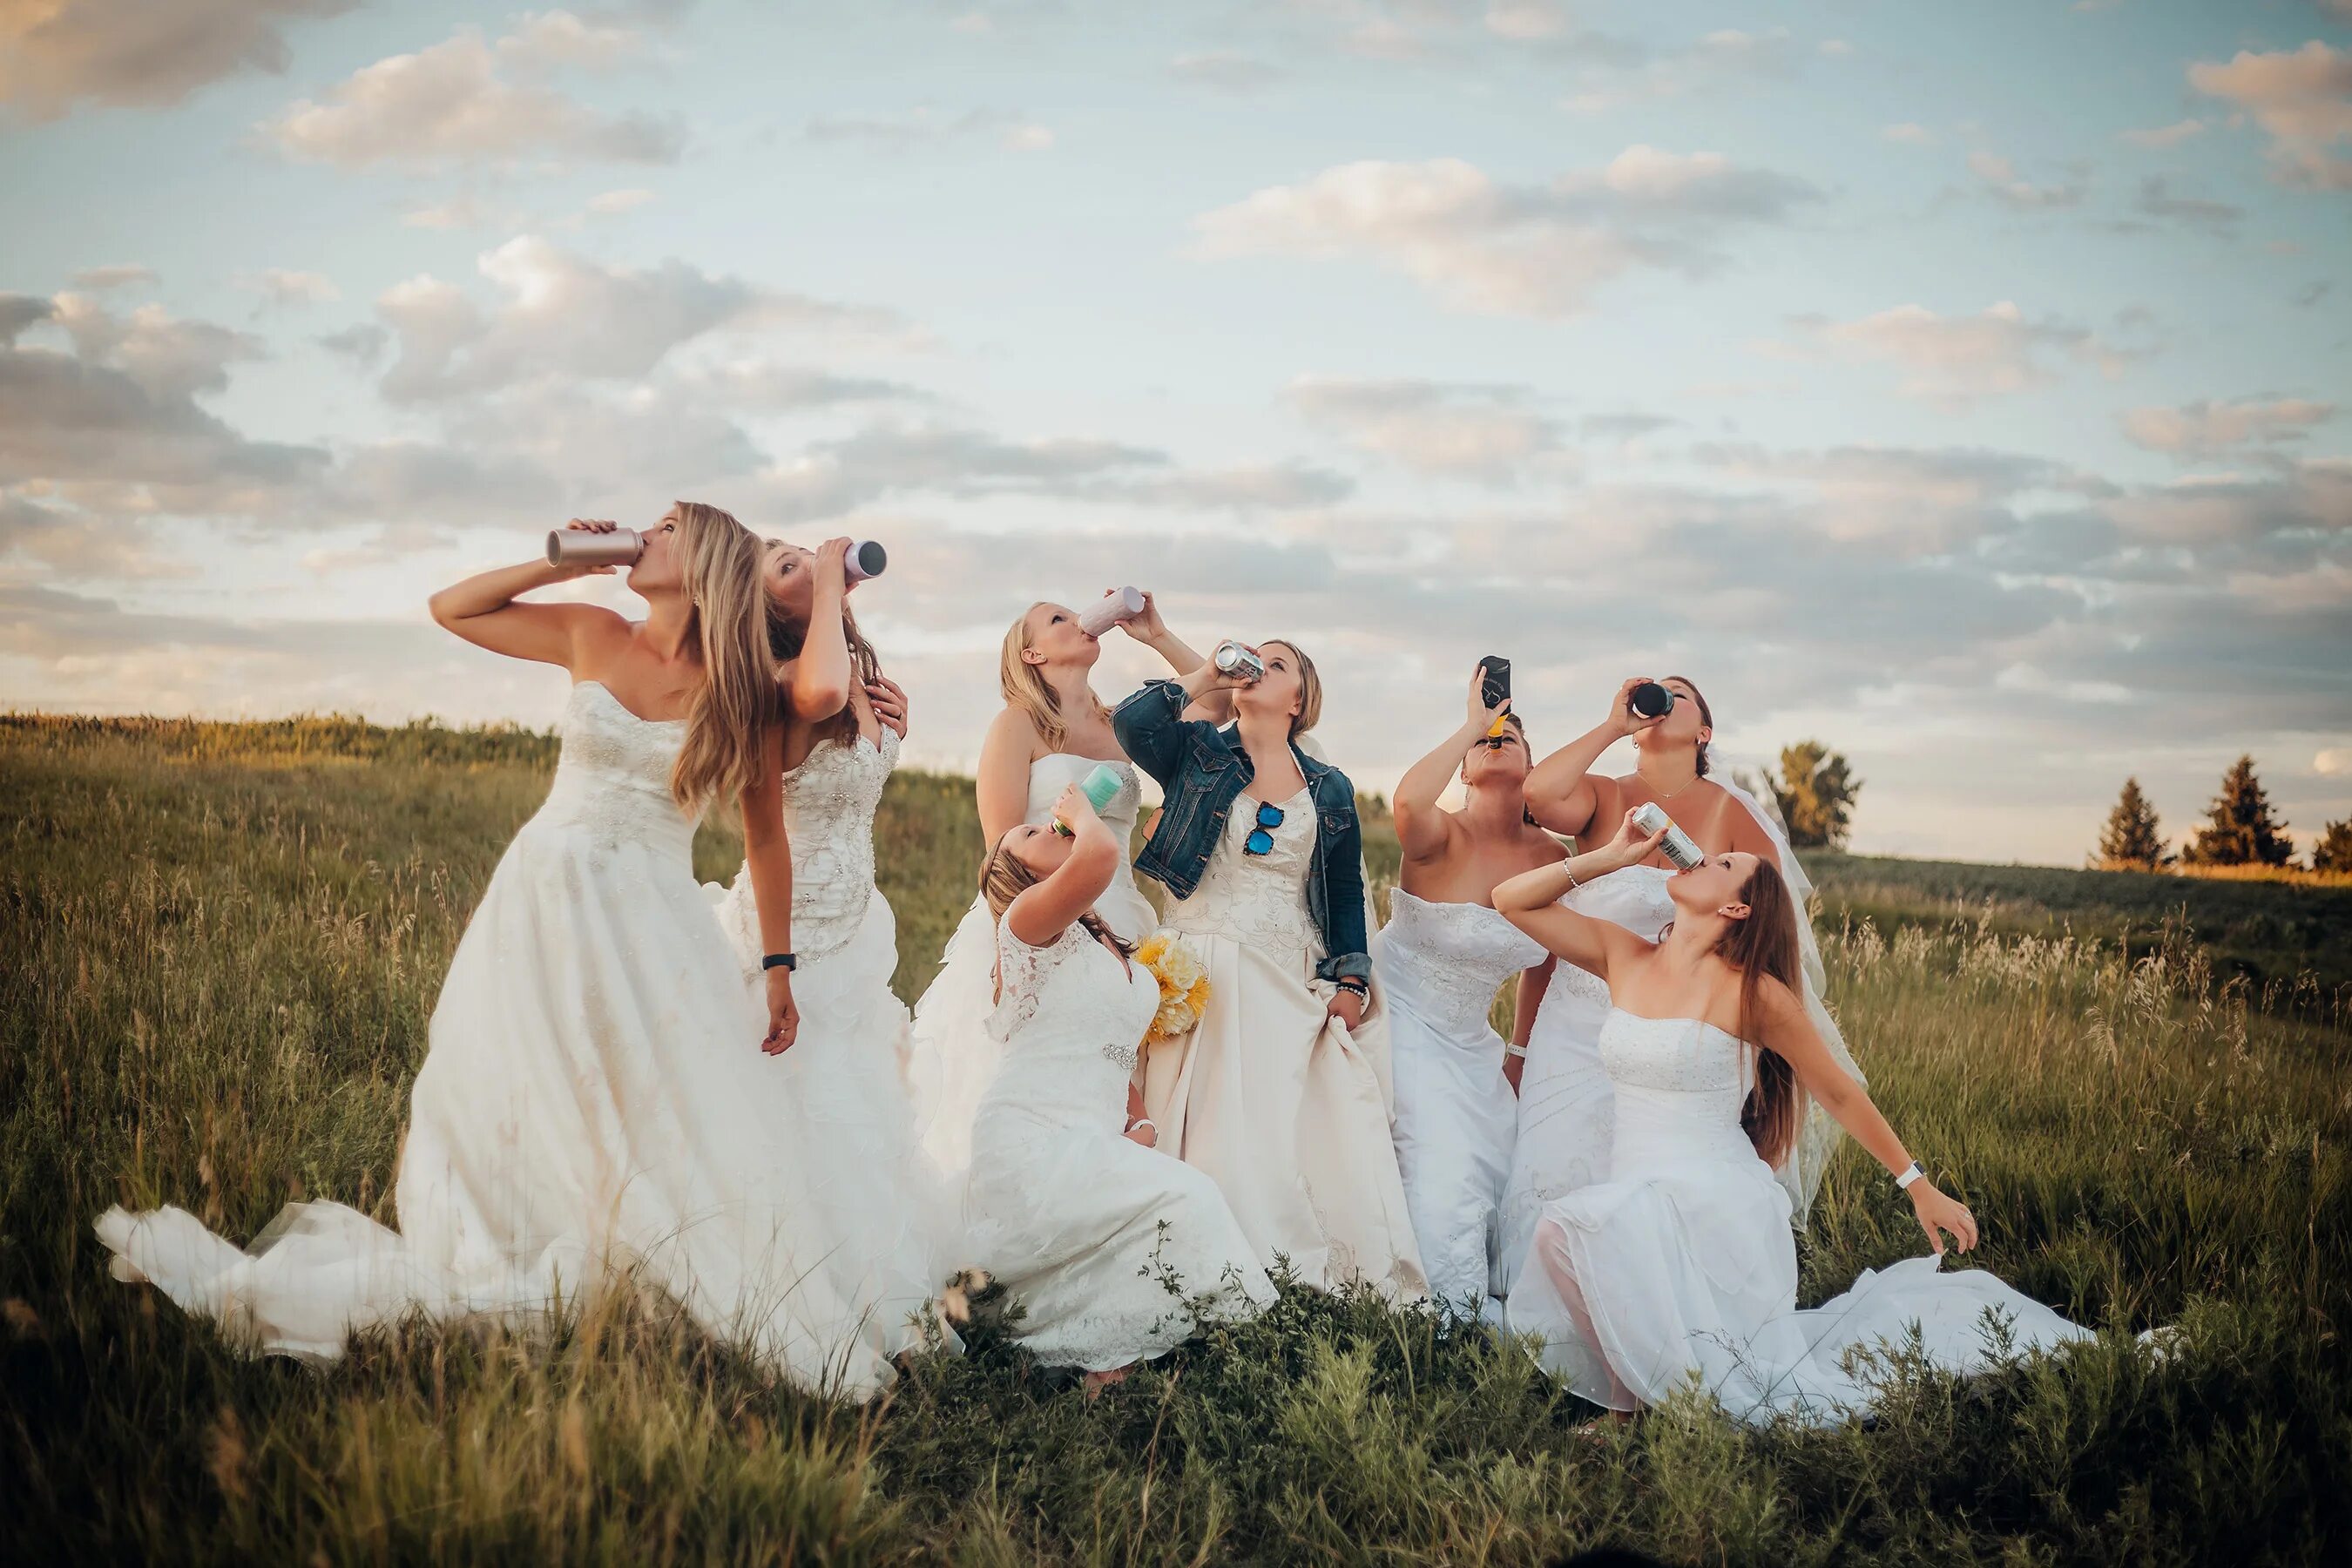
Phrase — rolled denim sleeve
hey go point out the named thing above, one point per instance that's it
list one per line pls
(1343, 882)
(1150, 726)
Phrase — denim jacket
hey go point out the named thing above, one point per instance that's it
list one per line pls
(1201, 768)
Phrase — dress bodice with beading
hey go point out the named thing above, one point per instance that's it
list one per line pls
(1071, 1016)
(829, 804)
(1637, 898)
(1680, 1084)
(611, 779)
(1445, 960)
(1258, 900)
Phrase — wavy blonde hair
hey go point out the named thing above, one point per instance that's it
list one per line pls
(1005, 877)
(727, 725)
(1027, 689)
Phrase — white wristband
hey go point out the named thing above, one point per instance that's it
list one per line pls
(1143, 1121)
(1911, 1175)
(1511, 1050)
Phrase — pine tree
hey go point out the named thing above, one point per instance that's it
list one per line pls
(2240, 829)
(2333, 850)
(2131, 840)
(1816, 792)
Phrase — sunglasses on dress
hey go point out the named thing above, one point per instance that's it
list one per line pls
(1261, 841)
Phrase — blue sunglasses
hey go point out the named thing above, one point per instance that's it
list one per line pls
(1260, 841)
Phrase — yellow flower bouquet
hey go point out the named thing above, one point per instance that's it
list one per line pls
(1184, 985)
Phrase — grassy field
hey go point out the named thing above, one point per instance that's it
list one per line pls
(219, 947)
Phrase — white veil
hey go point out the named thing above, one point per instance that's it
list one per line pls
(1817, 1133)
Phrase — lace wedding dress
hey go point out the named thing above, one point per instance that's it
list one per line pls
(1440, 966)
(1269, 1095)
(951, 1057)
(594, 1114)
(884, 1229)
(1114, 1252)
(1681, 1262)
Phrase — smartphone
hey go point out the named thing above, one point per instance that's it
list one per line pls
(1493, 678)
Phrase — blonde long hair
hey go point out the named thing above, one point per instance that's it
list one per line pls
(727, 725)
(1027, 691)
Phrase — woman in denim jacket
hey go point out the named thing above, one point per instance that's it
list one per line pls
(1274, 1094)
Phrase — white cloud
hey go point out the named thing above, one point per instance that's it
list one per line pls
(925, 126)
(2166, 135)
(120, 275)
(2203, 429)
(1956, 360)
(1528, 19)
(284, 289)
(1224, 69)
(2304, 99)
(452, 105)
(1490, 434)
(449, 345)
(1997, 177)
(2336, 761)
(144, 54)
(608, 204)
(1709, 64)
(1504, 249)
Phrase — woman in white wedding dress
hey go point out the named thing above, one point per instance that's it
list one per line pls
(1114, 1253)
(1563, 1137)
(599, 1107)
(1277, 1093)
(1680, 1263)
(1052, 733)
(1441, 958)
(884, 1231)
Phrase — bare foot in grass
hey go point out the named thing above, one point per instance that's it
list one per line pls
(1098, 1380)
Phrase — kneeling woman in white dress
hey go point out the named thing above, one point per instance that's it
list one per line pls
(1114, 1253)
(1681, 1262)
(1273, 1094)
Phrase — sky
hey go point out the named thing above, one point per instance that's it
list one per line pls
(1969, 388)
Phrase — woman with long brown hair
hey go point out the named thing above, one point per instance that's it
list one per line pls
(1052, 731)
(1681, 1262)
(599, 1104)
(1564, 1105)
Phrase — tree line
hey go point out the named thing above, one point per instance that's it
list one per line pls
(2240, 829)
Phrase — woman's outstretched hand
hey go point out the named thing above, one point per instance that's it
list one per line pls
(1940, 1213)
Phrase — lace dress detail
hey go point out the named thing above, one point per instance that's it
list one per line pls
(1685, 1265)
(1085, 1227)
(1453, 957)
(1258, 900)
(1277, 1101)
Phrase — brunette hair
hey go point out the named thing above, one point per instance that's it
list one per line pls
(1705, 716)
(1005, 877)
(787, 637)
(1765, 944)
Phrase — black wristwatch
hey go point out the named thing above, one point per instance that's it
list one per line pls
(785, 961)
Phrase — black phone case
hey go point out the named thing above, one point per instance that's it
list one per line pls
(1495, 684)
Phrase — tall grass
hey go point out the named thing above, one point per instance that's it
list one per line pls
(218, 958)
